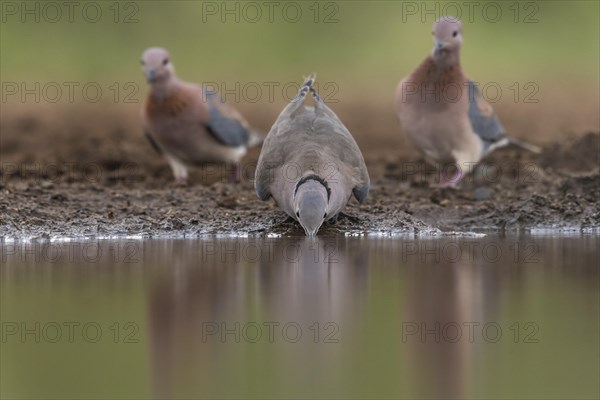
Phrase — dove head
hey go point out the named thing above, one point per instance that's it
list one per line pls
(447, 36)
(310, 203)
(156, 65)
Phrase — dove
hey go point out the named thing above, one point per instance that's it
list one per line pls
(190, 125)
(310, 164)
(443, 113)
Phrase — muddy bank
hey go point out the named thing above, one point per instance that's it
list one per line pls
(69, 181)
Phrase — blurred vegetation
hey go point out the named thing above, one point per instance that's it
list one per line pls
(367, 43)
(363, 47)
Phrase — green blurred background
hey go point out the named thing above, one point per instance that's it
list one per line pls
(364, 47)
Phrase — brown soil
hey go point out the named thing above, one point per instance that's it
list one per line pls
(98, 177)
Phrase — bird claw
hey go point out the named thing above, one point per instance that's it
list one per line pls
(181, 181)
(447, 185)
(450, 183)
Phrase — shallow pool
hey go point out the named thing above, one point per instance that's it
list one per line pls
(429, 317)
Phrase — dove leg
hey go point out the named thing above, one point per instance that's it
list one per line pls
(466, 160)
(451, 178)
(451, 182)
(179, 170)
(236, 173)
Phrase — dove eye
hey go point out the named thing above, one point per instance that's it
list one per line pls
(454, 33)
(165, 61)
(298, 214)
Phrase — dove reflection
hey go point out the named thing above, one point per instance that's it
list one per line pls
(235, 303)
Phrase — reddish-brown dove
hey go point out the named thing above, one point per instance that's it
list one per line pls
(310, 163)
(189, 125)
(443, 113)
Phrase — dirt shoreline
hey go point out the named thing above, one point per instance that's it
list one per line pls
(55, 184)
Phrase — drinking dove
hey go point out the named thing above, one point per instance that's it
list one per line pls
(310, 163)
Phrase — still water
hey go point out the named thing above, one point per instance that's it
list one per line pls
(476, 317)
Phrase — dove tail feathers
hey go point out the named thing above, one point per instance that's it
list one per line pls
(527, 146)
(306, 87)
(297, 104)
(315, 95)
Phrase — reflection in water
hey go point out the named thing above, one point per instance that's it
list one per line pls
(301, 317)
(234, 293)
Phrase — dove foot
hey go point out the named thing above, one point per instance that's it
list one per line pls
(181, 181)
(451, 183)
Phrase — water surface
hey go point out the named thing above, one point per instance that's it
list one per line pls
(491, 317)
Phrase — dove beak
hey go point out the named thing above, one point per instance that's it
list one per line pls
(150, 75)
(311, 232)
(439, 45)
